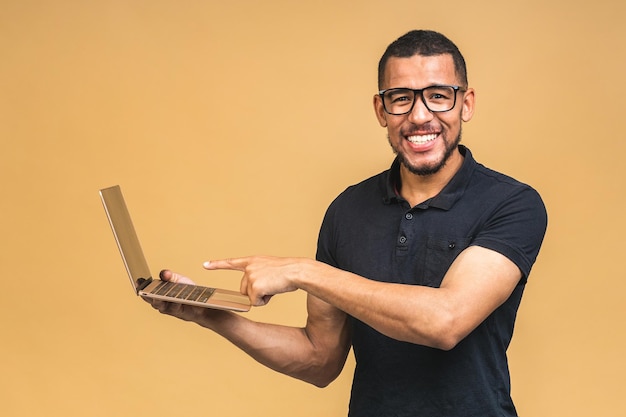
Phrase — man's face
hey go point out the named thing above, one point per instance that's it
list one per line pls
(424, 140)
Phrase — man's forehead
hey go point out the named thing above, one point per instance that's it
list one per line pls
(420, 71)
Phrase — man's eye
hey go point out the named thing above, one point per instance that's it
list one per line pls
(400, 97)
(439, 94)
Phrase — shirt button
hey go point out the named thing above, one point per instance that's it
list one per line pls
(408, 216)
(402, 239)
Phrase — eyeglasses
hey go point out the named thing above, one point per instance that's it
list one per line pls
(436, 98)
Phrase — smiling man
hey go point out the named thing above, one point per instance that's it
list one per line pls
(417, 103)
(420, 269)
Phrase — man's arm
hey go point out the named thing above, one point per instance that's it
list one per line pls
(477, 283)
(314, 354)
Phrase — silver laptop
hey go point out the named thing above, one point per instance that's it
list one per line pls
(139, 273)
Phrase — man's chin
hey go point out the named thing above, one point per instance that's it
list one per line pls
(427, 167)
(423, 170)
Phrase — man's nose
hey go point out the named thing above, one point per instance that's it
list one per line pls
(420, 113)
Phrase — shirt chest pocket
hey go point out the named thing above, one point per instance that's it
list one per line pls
(440, 252)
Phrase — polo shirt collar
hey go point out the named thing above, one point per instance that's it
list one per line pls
(452, 192)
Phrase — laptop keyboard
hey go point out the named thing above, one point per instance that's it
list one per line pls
(183, 291)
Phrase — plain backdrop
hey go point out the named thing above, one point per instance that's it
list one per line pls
(231, 125)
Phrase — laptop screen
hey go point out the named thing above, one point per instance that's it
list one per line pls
(125, 235)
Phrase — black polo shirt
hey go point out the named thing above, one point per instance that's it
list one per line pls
(372, 231)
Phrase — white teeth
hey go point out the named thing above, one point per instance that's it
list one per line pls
(421, 139)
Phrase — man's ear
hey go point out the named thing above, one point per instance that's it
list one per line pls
(469, 100)
(381, 115)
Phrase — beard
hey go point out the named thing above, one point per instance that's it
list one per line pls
(427, 169)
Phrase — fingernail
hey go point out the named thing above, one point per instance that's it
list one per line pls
(207, 264)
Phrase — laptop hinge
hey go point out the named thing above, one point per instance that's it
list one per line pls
(143, 283)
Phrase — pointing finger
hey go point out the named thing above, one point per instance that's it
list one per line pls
(236, 264)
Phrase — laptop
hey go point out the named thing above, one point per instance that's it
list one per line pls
(139, 272)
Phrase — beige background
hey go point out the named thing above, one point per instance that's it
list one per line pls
(231, 125)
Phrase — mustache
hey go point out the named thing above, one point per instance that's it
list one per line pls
(426, 129)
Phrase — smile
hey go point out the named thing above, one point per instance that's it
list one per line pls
(421, 139)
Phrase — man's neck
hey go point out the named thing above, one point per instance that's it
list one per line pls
(418, 188)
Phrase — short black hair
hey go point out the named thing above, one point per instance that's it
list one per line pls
(424, 43)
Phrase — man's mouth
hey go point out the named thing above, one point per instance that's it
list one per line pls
(422, 139)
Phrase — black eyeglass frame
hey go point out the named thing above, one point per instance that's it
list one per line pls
(456, 89)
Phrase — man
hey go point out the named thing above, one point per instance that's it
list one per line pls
(420, 269)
